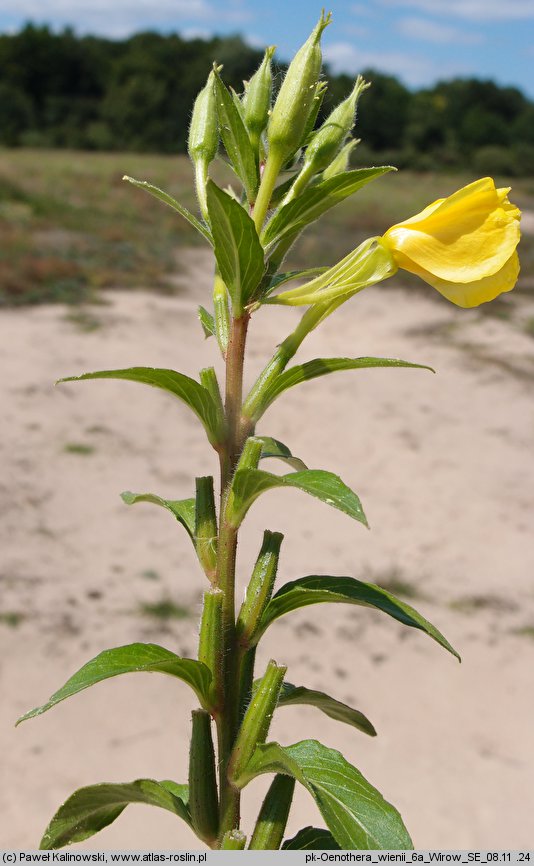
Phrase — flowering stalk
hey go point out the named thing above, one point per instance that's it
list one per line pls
(465, 247)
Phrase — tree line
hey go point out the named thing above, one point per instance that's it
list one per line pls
(60, 90)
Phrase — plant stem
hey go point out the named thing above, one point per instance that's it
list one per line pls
(228, 717)
(268, 180)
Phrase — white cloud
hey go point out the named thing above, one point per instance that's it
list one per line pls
(123, 17)
(434, 31)
(477, 10)
(413, 69)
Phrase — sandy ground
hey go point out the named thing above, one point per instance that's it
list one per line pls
(444, 466)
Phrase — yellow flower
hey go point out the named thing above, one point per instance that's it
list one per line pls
(464, 245)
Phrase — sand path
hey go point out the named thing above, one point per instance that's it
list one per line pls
(444, 466)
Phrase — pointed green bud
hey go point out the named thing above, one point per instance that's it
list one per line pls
(257, 720)
(210, 644)
(271, 824)
(203, 798)
(330, 137)
(260, 588)
(203, 140)
(325, 144)
(320, 91)
(233, 840)
(295, 99)
(342, 160)
(206, 526)
(257, 99)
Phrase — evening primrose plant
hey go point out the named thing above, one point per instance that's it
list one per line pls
(290, 172)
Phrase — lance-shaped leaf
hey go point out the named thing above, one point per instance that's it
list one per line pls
(182, 509)
(186, 389)
(311, 839)
(91, 809)
(171, 202)
(289, 221)
(207, 321)
(145, 657)
(237, 247)
(248, 484)
(274, 448)
(291, 695)
(236, 139)
(355, 812)
(316, 589)
(321, 367)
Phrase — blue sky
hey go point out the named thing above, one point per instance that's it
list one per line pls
(420, 41)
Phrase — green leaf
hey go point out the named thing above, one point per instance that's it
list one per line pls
(316, 589)
(182, 509)
(236, 140)
(289, 221)
(311, 839)
(171, 202)
(337, 710)
(186, 389)
(145, 657)
(248, 484)
(355, 812)
(274, 448)
(91, 809)
(237, 247)
(207, 321)
(321, 367)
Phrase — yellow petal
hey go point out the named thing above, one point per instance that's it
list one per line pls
(466, 237)
(477, 292)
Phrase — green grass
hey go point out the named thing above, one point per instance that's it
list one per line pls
(69, 224)
(165, 609)
(78, 448)
(11, 618)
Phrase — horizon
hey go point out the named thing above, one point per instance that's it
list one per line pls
(420, 42)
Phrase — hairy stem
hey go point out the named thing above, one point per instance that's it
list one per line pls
(228, 717)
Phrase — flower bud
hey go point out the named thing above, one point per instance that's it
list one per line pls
(295, 98)
(342, 161)
(203, 139)
(204, 132)
(330, 137)
(327, 141)
(257, 99)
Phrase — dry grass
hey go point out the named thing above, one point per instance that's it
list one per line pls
(69, 225)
